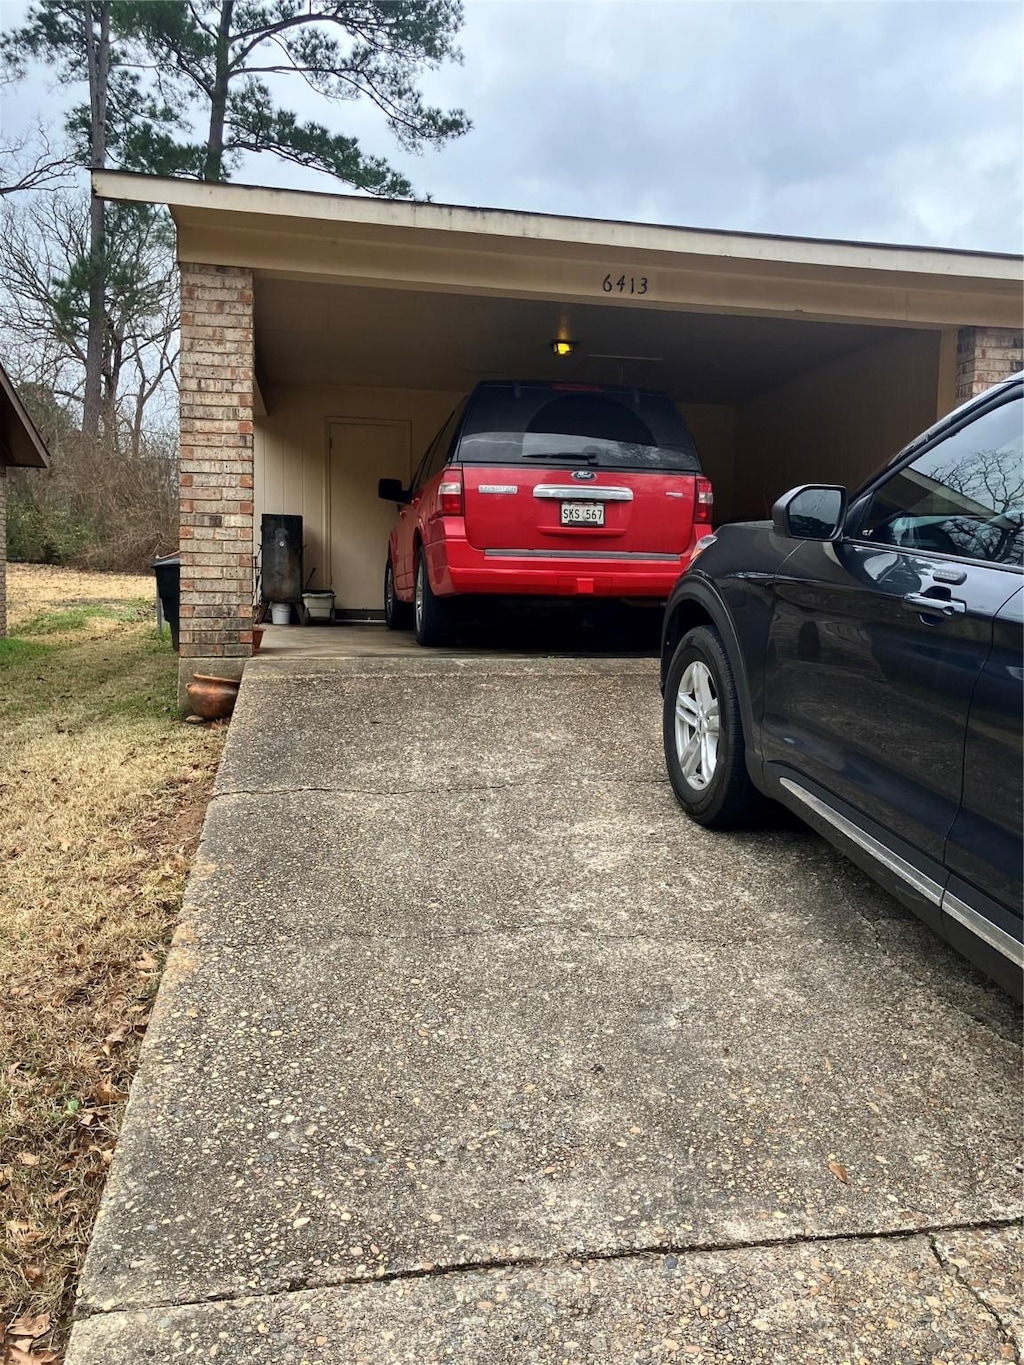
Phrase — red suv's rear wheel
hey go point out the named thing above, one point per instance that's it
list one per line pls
(397, 614)
(433, 617)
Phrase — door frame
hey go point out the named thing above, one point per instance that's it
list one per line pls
(349, 420)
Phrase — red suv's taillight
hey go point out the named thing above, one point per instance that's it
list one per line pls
(449, 494)
(705, 502)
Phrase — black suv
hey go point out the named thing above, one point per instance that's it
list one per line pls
(860, 660)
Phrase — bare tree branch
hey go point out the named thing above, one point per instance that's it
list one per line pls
(31, 163)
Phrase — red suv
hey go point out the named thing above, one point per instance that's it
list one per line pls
(533, 489)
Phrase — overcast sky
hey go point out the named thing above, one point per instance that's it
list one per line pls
(895, 121)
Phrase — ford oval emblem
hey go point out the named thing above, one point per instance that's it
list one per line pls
(584, 475)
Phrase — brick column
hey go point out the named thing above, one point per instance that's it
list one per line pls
(216, 374)
(984, 356)
(3, 549)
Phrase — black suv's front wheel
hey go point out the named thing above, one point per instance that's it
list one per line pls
(703, 733)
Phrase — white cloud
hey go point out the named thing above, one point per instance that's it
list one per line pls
(880, 121)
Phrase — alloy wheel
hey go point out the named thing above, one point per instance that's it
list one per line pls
(697, 725)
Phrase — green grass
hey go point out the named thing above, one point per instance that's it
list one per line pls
(74, 618)
(15, 651)
(106, 675)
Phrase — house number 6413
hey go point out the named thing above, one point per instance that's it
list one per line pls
(625, 284)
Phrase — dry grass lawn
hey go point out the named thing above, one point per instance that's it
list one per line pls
(102, 793)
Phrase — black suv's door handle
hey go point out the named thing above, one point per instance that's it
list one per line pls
(931, 602)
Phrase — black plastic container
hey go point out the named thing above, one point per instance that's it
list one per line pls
(281, 558)
(168, 588)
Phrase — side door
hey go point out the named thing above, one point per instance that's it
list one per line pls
(984, 853)
(877, 640)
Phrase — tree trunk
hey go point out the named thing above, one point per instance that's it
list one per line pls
(214, 165)
(113, 362)
(97, 49)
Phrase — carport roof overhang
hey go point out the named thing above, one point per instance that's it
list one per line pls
(399, 245)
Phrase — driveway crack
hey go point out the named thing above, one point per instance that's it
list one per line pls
(950, 1268)
(576, 1256)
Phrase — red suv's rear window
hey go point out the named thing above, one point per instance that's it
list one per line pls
(608, 428)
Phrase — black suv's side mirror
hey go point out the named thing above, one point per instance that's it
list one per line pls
(812, 512)
(391, 490)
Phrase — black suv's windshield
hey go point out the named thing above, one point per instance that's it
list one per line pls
(615, 428)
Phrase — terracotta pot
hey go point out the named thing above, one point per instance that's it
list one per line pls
(210, 697)
(257, 638)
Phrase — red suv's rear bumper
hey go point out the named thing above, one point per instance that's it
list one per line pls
(457, 567)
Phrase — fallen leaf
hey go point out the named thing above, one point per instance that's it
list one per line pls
(118, 1034)
(52, 1199)
(839, 1171)
(28, 1326)
(27, 1158)
(106, 1092)
(25, 1233)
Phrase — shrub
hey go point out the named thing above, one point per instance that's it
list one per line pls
(95, 508)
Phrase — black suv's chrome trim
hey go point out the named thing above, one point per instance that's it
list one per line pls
(988, 932)
(931, 890)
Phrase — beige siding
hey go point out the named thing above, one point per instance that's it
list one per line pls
(292, 451)
(836, 423)
(714, 433)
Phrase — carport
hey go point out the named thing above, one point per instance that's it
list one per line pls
(325, 338)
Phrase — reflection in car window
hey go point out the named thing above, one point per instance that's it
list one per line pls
(963, 497)
(437, 452)
(610, 428)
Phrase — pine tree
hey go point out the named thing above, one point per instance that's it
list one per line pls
(183, 88)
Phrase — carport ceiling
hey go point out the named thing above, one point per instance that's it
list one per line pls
(314, 333)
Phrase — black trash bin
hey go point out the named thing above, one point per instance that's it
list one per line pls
(168, 588)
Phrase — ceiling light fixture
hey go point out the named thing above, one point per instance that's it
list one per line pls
(562, 348)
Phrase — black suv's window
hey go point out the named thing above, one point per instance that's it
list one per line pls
(615, 428)
(963, 497)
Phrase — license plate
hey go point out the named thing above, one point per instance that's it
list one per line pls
(582, 513)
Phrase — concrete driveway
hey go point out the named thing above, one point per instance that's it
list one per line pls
(471, 1048)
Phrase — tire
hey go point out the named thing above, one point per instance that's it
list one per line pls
(397, 614)
(432, 616)
(712, 785)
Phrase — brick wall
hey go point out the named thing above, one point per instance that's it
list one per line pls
(3, 550)
(216, 396)
(984, 356)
